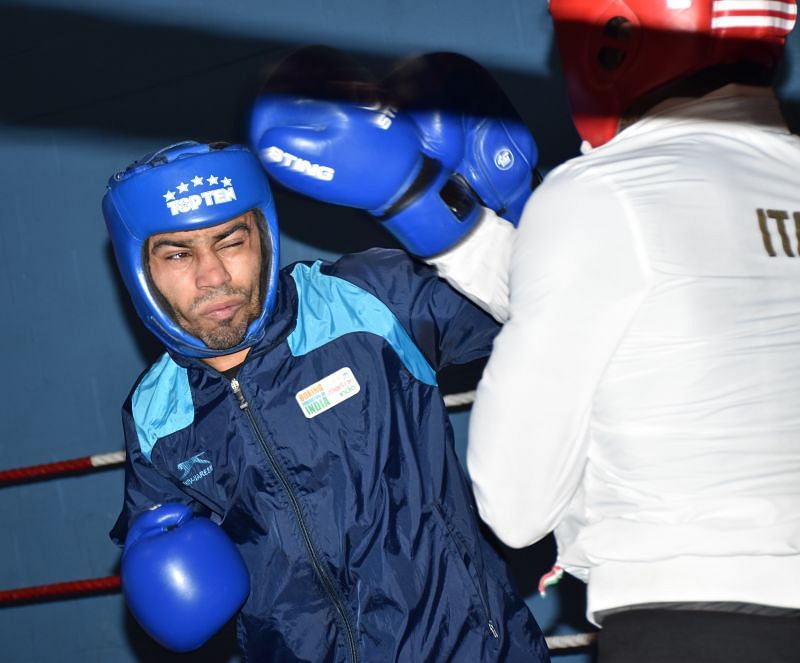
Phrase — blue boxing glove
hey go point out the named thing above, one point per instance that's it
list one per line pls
(182, 577)
(466, 121)
(319, 128)
(498, 162)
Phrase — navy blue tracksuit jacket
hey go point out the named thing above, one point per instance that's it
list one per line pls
(329, 461)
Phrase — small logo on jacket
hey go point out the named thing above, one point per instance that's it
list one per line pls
(327, 393)
(187, 466)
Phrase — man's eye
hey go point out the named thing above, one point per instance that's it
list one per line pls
(181, 255)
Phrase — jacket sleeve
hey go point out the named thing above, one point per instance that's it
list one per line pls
(447, 327)
(577, 277)
(478, 266)
(145, 487)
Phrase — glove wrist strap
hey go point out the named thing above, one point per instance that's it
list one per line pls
(433, 213)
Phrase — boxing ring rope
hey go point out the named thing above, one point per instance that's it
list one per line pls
(61, 468)
(59, 590)
(111, 584)
(114, 458)
(459, 400)
(560, 643)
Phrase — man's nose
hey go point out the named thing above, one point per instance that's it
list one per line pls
(211, 270)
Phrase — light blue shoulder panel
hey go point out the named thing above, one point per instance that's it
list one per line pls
(330, 307)
(162, 403)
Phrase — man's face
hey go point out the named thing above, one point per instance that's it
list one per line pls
(210, 278)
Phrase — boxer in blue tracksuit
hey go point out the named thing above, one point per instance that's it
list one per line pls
(299, 410)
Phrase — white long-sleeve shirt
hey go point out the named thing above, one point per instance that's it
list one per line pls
(643, 397)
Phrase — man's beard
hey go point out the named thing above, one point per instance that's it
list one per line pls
(227, 333)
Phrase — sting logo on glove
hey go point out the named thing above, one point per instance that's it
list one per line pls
(275, 155)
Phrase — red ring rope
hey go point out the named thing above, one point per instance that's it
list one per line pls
(79, 588)
(59, 590)
(98, 461)
(60, 468)
(93, 586)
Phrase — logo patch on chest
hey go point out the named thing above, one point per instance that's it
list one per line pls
(327, 393)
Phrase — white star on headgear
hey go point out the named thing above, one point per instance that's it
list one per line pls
(183, 187)
(169, 195)
(226, 181)
(197, 180)
(213, 179)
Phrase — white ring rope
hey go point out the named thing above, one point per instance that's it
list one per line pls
(570, 641)
(459, 400)
(113, 458)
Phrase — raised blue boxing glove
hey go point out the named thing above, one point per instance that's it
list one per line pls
(182, 577)
(320, 128)
(466, 121)
(498, 161)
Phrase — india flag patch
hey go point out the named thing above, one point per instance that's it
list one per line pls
(327, 393)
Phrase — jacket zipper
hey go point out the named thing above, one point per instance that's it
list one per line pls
(478, 585)
(317, 564)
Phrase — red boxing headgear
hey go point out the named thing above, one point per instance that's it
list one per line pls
(615, 51)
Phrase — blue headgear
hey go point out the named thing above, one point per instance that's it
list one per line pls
(187, 186)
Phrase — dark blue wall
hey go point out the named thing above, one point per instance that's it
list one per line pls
(86, 87)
